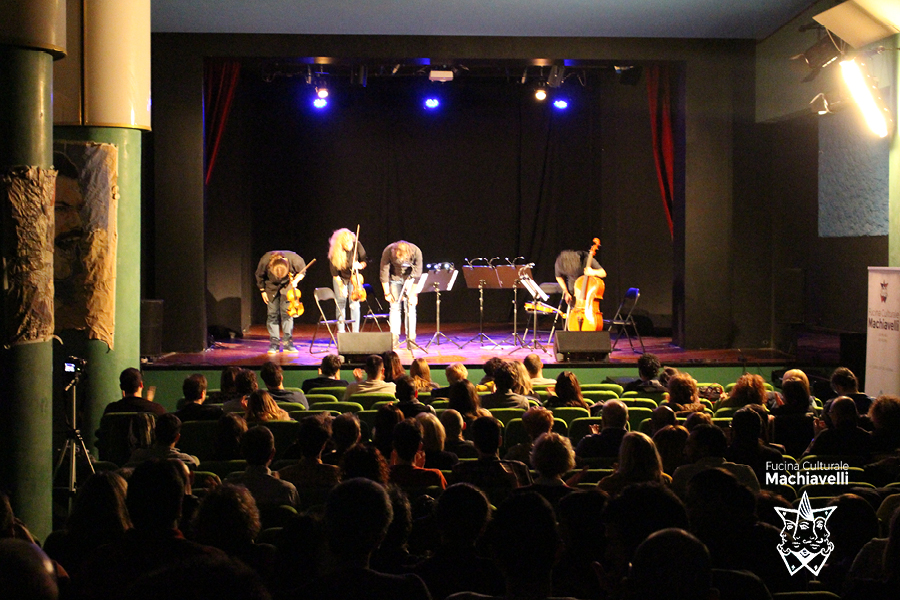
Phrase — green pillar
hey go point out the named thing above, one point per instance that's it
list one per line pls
(26, 390)
(104, 364)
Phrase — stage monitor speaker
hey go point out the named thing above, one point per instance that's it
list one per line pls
(591, 346)
(151, 327)
(355, 347)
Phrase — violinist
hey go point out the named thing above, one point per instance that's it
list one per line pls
(569, 266)
(341, 246)
(277, 270)
(401, 266)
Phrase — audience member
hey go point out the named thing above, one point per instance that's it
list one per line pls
(852, 525)
(269, 492)
(194, 391)
(746, 447)
(420, 373)
(329, 375)
(229, 431)
(523, 385)
(606, 442)
(772, 399)
(310, 473)
(749, 389)
(273, 376)
(504, 379)
(218, 577)
(345, 433)
(387, 416)
(227, 386)
(661, 416)
(845, 383)
(261, 408)
(671, 564)
(648, 376)
(166, 434)
(433, 439)
(705, 450)
(357, 515)
(408, 398)
(464, 399)
(844, 437)
(453, 426)
(885, 416)
(364, 461)
(454, 372)
(490, 366)
(795, 395)
(536, 421)
(696, 419)
(392, 555)
(407, 469)
(497, 478)
(535, 369)
(374, 381)
(639, 462)
(393, 368)
(132, 385)
(26, 572)
(684, 395)
(552, 457)
(567, 392)
(244, 384)
(583, 533)
(670, 442)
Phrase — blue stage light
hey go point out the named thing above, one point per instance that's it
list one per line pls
(320, 102)
(560, 104)
(432, 103)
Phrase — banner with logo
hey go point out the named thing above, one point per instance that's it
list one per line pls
(883, 332)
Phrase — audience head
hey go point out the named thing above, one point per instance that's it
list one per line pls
(204, 576)
(648, 366)
(662, 416)
(258, 446)
(745, 426)
(696, 419)
(568, 390)
(490, 366)
(670, 442)
(524, 552)
(419, 370)
(393, 368)
(796, 394)
(505, 377)
(357, 515)
(453, 424)
(463, 398)
(345, 430)
(683, 389)
(194, 387)
(374, 368)
(796, 374)
(130, 381)
(749, 389)
(272, 375)
(843, 412)
(614, 415)
(331, 365)
(456, 372)
(461, 514)
(228, 380)
(433, 434)
(99, 508)
(523, 379)
(885, 414)
(227, 518)
(231, 428)
(364, 461)
(639, 459)
(537, 421)
(552, 455)
(705, 441)
(717, 503)
(386, 418)
(155, 492)
(655, 575)
(533, 365)
(407, 439)
(312, 435)
(581, 524)
(245, 382)
(262, 407)
(406, 389)
(26, 572)
(168, 430)
(852, 525)
(667, 374)
(486, 435)
(844, 382)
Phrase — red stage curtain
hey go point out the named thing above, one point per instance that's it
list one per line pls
(659, 94)
(220, 80)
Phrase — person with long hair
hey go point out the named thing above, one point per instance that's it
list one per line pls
(684, 396)
(523, 383)
(465, 400)
(639, 462)
(567, 392)
(277, 272)
(749, 389)
(393, 368)
(261, 407)
(421, 375)
(341, 246)
(400, 262)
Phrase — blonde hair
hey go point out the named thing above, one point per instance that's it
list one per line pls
(261, 407)
(523, 380)
(336, 253)
(421, 375)
(456, 372)
(639, 460)
(433, 433)
(402, 251)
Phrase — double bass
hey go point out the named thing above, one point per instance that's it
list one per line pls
(586, 315)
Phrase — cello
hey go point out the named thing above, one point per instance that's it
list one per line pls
(359, 292)
(586, 314)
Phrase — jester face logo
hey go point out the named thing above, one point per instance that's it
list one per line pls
(884, 288)
(804, 539)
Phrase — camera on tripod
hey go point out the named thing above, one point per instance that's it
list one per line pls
(74, 364)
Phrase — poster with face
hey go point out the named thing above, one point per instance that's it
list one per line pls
(84, 265)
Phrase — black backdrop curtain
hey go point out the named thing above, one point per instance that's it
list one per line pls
(490, 173)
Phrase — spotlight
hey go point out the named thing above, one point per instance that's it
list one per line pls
(866, 96)
(818, 56)
(321, 91)
(320, 102)
(442, 76)
(557, 76)
(561, 104)
(432, 103)
(540, 94)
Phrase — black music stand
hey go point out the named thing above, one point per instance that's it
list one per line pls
(510, 278)
(437, 282)
(481, 277)
(537, 294)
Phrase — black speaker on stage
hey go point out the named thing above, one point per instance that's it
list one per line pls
(581, 345)
(356, 346)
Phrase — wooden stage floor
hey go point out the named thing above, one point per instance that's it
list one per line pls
(250, 351)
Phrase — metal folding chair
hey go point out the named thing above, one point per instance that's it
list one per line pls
(323, 294)
(371, 315)
(624, 319)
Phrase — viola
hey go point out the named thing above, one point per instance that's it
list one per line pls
(292, 294)
(586, 314)
(359, 292)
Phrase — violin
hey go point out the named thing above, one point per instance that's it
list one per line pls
(292, 294)
(586, 314)
(359, 292)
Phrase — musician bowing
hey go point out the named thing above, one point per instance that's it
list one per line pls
(401, 267)
(278, 271)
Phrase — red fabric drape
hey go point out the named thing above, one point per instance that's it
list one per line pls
(220, 81)
(659, 94)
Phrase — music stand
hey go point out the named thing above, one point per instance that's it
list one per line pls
(481, 277)
(437, 282)
(510, 277)
(536, 294)
(418, 287)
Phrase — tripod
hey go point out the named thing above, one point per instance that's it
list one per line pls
(481, 337)
(518, 342)
(74, 442)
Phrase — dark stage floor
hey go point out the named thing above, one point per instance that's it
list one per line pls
(250, 351)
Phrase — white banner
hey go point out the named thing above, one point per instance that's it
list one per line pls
(883, 332)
